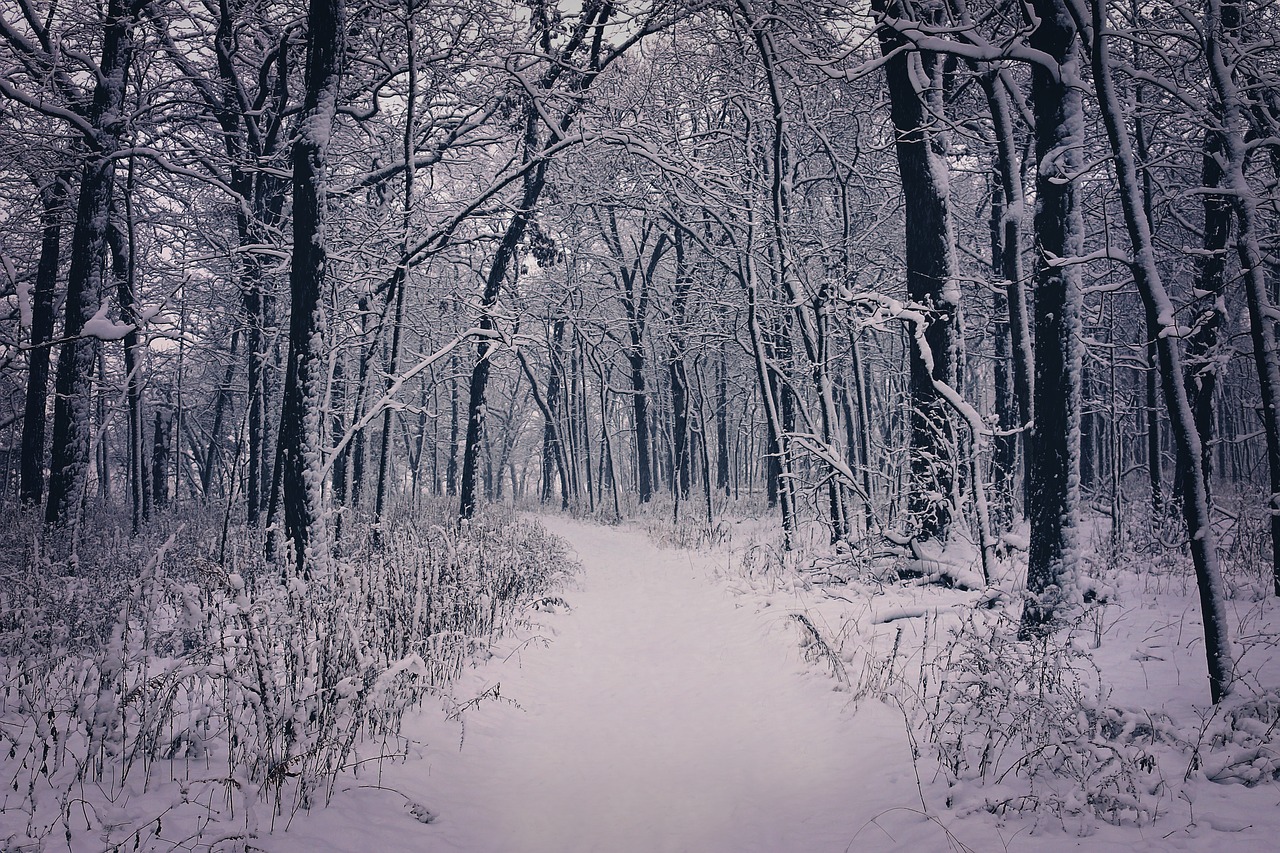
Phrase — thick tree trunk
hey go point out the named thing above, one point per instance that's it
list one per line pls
(53, 199)
(69, 462)
(931, 270)
(1053, 490)
(299, 442)
(161, 440)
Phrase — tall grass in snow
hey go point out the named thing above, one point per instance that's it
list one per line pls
(159, 698)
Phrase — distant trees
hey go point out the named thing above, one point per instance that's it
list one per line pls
(916, 273)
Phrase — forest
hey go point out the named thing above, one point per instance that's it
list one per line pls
(315, 315)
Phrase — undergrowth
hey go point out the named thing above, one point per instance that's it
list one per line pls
(159, 698)
(1030, 727)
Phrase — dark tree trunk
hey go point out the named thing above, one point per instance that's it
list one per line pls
(680, 438)
(1202, 362)
(299, 442)
(451, 468)
(69, 462)
(552, 453)
(119, 236)
(1151, 412)
(640, 419)
(677, 375)
(53, 200)
(583, 420)
(722, 422)
(1013, 335)
(1004, 456)
(930, 262)
(1053, 489)
(161, 439)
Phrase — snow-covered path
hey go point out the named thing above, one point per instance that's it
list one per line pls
(664, 715)
(659, 720)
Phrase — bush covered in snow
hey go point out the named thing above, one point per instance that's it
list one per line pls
(1029, 720)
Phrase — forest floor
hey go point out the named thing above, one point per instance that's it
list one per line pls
(664, 712)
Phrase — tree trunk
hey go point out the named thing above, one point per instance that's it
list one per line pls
(1223, 23)
(161, 439)
(69, 462)
(300, 446)
(640, 420)
(1053, 490)
(120, 238)
(722, 422)
(53, 200)
(1161, 317)
(931, 270)
(552, 452)
(451, 468)
(1013, 334)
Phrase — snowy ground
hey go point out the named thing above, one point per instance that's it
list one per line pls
(667, 712)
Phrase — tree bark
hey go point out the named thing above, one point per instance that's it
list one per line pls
(119, 237)
(931, 269)
(69, 462)
(552, 453)
(53, 200)
(1053, 491)
(299, 441)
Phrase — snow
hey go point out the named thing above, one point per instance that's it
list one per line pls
(103, 328)
(24, 297)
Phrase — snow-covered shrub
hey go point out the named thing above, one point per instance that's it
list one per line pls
(681, 524)
(165, 700)
(1029, 723)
